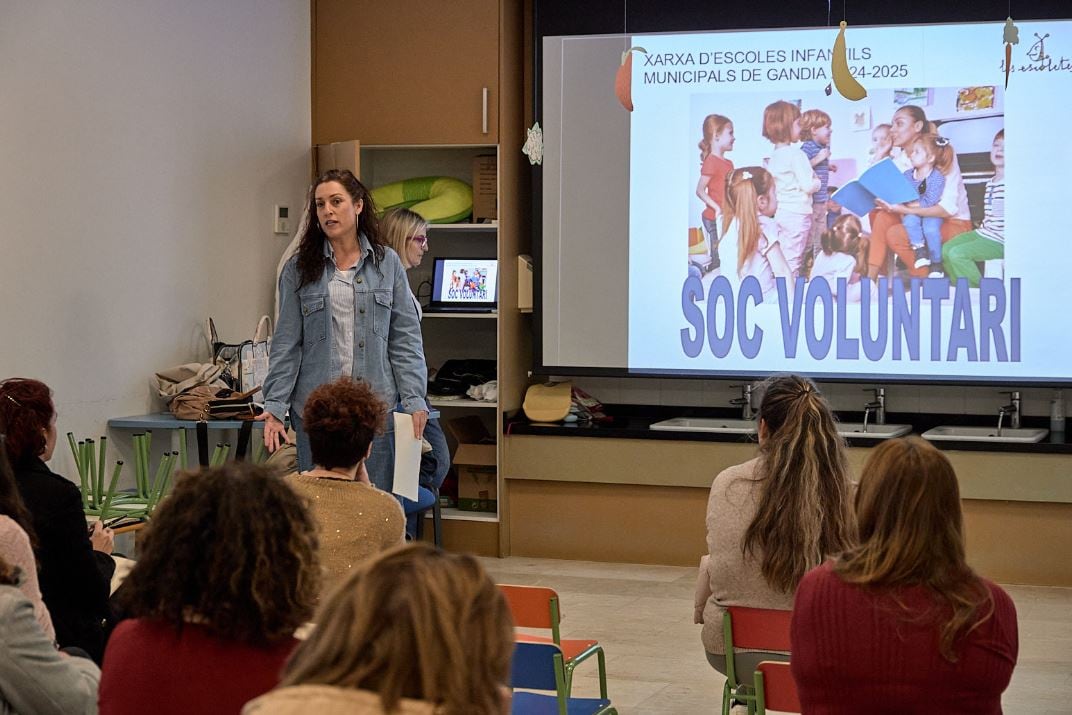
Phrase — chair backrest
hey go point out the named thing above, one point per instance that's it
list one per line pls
(537, 666)
(760, 628)
(532, 606)
(778, 687)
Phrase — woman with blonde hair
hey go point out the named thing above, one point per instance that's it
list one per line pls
(413, 631)
(751, 241)
(407, 233)
(776, 516)
(900, 622)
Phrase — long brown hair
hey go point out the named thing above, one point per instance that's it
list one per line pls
(804, 514)
(233, 549)
(11, 503)
(311, 247)
(417, 623)
(743, 189)
(912, 534)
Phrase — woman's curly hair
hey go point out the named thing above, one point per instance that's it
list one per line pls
(341, 419)
(232, 549)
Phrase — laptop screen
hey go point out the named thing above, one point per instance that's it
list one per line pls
(465, 281)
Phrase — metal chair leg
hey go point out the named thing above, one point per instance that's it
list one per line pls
(437, 520)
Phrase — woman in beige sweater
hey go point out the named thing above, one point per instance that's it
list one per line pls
(774, 517)
(355, 520)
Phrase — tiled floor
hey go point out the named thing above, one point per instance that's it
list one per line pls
(643, 617)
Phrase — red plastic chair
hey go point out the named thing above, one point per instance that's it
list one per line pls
(537, 607)
(754, 629)
(775, 688)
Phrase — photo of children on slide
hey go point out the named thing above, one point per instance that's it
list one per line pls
(908, 183)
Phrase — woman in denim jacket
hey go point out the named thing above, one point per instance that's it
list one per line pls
(344, 309)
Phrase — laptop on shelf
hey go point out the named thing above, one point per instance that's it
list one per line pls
(464, 285)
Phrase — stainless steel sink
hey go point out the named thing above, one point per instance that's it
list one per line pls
(706, 424)
(949, 433)
(856, 430)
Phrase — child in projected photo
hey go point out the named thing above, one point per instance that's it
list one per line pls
(815, 129)
(931, 156)
(794, 178)
(881, 144)
(714, 168)
(987, 242)
(751, 242)
(843, 255)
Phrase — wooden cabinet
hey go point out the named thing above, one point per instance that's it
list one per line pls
(407, 78)
(406, 71)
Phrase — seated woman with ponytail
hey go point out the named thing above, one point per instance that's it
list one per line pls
(774, 517)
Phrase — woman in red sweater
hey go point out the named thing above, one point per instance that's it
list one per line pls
(227, 572)
(900, 623)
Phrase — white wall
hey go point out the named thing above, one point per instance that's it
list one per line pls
(143, 144)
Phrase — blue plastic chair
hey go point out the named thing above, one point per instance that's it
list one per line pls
(540, 666)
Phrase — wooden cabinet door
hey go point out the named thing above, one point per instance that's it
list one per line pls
(406, 71)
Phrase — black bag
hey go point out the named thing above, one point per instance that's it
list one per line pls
(457, 376)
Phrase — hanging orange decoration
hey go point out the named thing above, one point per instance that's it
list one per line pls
(1011, 37)
(846, 84)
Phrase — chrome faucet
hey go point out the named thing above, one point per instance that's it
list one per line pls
(744, 401)
(1012, 410)
(876, 406)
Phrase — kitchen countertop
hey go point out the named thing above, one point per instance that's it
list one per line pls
(634, 421)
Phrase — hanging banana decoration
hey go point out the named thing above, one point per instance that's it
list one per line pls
(846, 84)
(1011, 37)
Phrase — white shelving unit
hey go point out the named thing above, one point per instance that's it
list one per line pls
(475, 336)
(461, 402)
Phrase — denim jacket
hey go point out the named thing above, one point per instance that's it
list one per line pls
(388, 355)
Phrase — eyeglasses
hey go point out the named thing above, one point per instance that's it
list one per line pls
(423, 240)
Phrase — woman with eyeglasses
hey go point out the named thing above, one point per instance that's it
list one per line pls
(407, 232)
(344, 310)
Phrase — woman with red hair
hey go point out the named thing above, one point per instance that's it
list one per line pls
(75, 565)
(900, 622)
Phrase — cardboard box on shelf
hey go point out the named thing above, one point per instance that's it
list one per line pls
(338, 155)
(474, 461)
(485, 189)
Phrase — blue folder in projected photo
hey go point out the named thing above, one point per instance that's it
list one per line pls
(883, 181)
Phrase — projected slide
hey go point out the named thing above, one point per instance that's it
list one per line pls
(922, 232)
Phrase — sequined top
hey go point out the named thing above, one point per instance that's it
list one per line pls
(354, 521)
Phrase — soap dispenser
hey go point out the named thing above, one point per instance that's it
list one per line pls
(1057, 413)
